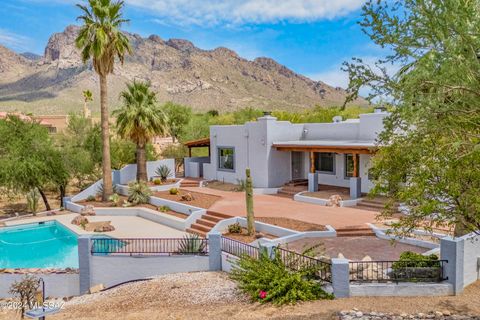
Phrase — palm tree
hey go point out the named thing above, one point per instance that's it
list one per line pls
(139, 120)
(87, 97)
(101, 40)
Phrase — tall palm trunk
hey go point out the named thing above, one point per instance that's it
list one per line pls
(141, 163)
(106, 162)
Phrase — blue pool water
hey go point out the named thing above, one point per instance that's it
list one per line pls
(38, 245)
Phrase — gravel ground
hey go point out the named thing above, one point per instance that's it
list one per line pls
(355, 314)
(211, 295)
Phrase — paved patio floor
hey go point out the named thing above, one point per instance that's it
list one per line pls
(125, 226)
(233, 204)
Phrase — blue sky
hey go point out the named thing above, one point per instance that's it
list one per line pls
(312, 37)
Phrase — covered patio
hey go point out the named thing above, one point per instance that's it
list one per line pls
(351, 149)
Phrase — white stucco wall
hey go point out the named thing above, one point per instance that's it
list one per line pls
(134, 268)
(471, 259)
(56, 285)
(271, 168)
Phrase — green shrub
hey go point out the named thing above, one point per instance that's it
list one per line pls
(157, 181)
(269, 280)
(235, 228)
(164, 172)
(410, 259)
(114, 198)
(138, 192)
(91, 199)
(164, 209)
(173, 191)
(192, 244)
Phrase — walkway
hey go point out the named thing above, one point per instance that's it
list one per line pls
(233, 204)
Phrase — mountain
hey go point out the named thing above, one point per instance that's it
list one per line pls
(177, 69)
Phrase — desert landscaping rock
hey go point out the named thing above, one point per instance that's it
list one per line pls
(355, 314)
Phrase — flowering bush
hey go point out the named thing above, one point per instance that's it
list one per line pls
(269, 280)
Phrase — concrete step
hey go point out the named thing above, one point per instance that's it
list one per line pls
(205, 222)
(197, 226)
(211, 218)
(218, 214)
(355, 234)
(198, 232)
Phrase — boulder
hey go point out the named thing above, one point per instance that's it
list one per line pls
(97, 288)
(80, 220)
(187, 197)
(88, 210)
(334, 201)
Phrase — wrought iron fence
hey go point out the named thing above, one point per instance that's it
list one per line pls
(397, 271)
(238, 248)
(296, 261)
(144, 246)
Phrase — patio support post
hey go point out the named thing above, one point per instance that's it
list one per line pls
(452, 250)
(355, 181)
(214, 250)
(341, 278)
(312, 175)
(84, 267)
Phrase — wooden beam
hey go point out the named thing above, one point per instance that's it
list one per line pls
(190, 152)
(327, 149)
(355, 165)
(312, 162)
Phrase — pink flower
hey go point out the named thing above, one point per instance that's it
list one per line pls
(262, 294)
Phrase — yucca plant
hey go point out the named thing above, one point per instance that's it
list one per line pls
(163, 172)
(101, 187)
(138, 192)
(33, 197)
(192, 244)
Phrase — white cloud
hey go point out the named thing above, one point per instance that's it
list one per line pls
(215, 12)
(14, 41)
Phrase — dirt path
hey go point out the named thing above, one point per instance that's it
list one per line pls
(213, 296)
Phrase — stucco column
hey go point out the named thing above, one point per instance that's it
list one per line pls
(313, 182)
(116, 177)
(270, 247)
(355, 187)
(65, 200)
(214, 250)
(452, 249)
(340, 278)
(84, 267)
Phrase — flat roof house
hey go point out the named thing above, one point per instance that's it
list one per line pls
(278, 152)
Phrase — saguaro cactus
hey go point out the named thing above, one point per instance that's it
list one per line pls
(249, 200)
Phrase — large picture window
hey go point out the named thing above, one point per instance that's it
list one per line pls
(325, 162)
(226, 159)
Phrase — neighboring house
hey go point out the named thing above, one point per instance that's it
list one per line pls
(277, 152)
(43, 122)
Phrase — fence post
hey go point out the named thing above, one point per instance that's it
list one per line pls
(452, 249)
(214, 250)
(84, 256)
(341, 278)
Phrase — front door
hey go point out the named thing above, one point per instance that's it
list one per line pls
(297, 165)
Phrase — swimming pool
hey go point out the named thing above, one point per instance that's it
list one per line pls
(38, 245)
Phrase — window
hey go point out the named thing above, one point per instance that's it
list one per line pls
(349, 166)
(226, 159)
(325, 162)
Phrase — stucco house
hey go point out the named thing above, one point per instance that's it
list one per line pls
(277, 152)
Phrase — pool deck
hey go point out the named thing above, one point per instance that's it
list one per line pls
(125, 226)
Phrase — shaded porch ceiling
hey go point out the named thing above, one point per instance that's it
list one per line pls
(335, 146)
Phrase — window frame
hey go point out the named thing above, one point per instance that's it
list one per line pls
(219, 148)
(318, 162)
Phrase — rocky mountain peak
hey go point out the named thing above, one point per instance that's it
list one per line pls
(272, 65)
(61, 46)
(182, 45)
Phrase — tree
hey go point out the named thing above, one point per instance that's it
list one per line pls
(87, 97)
(178, 117)
(28, 158)
(101, 40)
(140, 120)
(430, 150)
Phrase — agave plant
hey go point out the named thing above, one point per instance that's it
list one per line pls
(192, 244)
(138, 192)
(100, 189)
(163, 172)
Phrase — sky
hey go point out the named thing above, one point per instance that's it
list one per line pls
(311, 37)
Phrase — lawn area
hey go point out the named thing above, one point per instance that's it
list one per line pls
(211, 295)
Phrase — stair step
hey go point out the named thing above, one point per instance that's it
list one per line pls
(354, 229)
(198, 232)
(207, 223)
(211, 218)
(197, 226)
(355, 234)
(218, 214)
